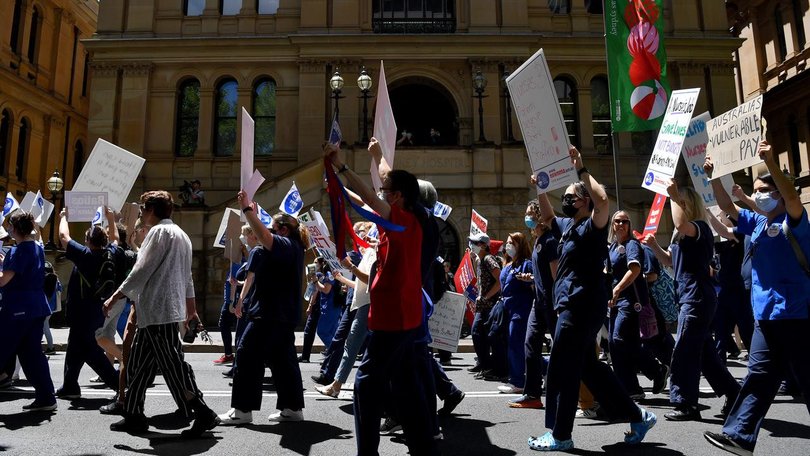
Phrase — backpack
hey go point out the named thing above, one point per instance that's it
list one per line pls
(105, 284)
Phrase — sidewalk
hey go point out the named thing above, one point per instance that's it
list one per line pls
(60, 336)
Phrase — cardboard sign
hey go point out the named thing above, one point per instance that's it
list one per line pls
(129, 215)
(252, 185)
(110, 169)
(220, 239)
(246, 157)
(734, 138)
(694, 154)
(445, 323)
(667, 150)
(541, 121)
(478, 224)
(233, 245)
(82, 205)
(385, 128)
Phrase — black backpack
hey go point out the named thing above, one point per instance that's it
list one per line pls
(105, 284)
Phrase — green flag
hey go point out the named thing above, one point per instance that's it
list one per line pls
(637, 64)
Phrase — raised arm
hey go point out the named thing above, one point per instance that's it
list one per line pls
(601, 204)
(664, 256)
(718, 226)
(263, 235)
(546, 210)
(112, 229)
(720, 194)
(679, 218)
(365, 191)
(64, 228)
(793, 203)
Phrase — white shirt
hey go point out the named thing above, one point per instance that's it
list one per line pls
(160, 282)
(361, 297)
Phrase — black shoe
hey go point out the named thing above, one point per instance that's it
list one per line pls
(133, 424)
(484, 373)
(476, 369)
(390, 426)
(49, 351)
(683, 413)
(301, 359)
(113, 408)
(322, 379)
(37, 406)
(451, 403)
(204, 421)
(660, 381)
(725, 442)
(61, 393)
(228, 373)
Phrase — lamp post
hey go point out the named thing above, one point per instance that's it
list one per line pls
(55, 185)
(509, 136)
(479, 84)
(336, 84)
(364, 83)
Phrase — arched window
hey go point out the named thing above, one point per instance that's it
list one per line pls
(798, 20)
(22, 148)
(78, 159)
(188, 118)
(567, 97)
(34, 36)
(267, 6)
(16, 29)
(230, 7)
(193, 7)
(559, 6)
(779, 25)
(225, 118)
(264, 116)
(600, 115)
(5, 139)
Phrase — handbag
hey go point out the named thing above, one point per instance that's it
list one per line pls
(662, 292)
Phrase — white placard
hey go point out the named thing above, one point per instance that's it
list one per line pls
(734, 138)
(319, 237)
(221, 238)
(531, 89)
(110, 169)
(385, 128)
(445, 323)
(667, 150)
(82, 205)
(246, 159)
(694, 154)
(253, 183)
(478, 224)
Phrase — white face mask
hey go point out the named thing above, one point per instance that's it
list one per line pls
(474, 248)
(765, 202)
(510, 250)
(243, 239)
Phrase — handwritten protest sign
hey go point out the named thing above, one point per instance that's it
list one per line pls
(220, 239)
(734, 138)
(445, 323)
(319, 236)
(110, 169)
(478, 224)
(385, 128)
(667, 148)
(694, 154)
(541, 122)
(82, 205)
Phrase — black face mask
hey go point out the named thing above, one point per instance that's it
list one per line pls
(568, 208)
(272, 231)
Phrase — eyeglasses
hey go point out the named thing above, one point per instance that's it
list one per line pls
(621, 222)
(570, 198)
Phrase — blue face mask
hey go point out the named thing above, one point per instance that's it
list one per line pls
(530, 222)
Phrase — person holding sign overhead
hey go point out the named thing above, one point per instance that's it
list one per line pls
(579, 299)
(780, 295)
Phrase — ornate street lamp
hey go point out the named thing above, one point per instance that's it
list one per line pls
(55, 184)
(336, 84)
(479, 84)
(509, 136)
(364, 83)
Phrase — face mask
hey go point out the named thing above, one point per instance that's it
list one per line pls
(530, 222)
(474, 248)
(568, 208)
(381, 196)
(510, 250)
(765, 202)
(243, 239)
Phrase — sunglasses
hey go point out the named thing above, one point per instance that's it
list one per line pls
(621, 222)
(570, 198)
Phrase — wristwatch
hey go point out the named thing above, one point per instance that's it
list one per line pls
(247, 209)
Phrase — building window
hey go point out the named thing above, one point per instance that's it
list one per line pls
(225, 119)
(600, 115)
(795, 150)
(5, 139)
(643, 142)
(559, 6)
(413, 16)
(264, 116)
(194, 7)
(22, 148)
(188, 118)
(567, 96)
(230, 7)
(34, 37)
(779, 24)
(16, 30)
(267, 6)
(78, 159)
(798, 19)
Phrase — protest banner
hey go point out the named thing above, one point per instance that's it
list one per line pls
(465, 280)
(442, 210)
(537, 108)
(653, 218)
(694, 154)
(110, 169)
(445, 323)
(385, 128)
(219, 240)
(246, 151)
(478, 224)
(82, 205)
(667, 150)
(734, 138)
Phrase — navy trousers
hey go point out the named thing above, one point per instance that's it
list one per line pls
(226, 321)
(23, 338)
(394, 359)
(82, 348)
(480, 337)
(626, 351)
(271, 343)
(573, 359)
(310, 329)
(661, 345)
(777, 347)
(534, 361)
(498, 339)
(334, 353)
(733, 309)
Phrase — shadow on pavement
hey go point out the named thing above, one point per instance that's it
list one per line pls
(779, 428)
(300, 437)
(170, 421)
(463, 435)
(21, 420)
(173, 444)
(622, 449)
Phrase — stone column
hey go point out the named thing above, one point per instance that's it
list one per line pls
(103, 98)
(134, 107)
(312, 118)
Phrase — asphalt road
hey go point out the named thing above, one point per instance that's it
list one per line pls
(481, 425)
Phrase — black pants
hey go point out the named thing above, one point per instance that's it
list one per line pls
(226, 321)
(272, 343)
(310, 329)
(83, 348)
(533, 354)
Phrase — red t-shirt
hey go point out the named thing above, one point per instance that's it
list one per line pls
(396, 293)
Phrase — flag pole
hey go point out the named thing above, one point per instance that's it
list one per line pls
(614, 139)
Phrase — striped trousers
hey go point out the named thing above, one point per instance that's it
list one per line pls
(158, 346)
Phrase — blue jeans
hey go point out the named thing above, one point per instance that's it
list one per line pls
(357, 335)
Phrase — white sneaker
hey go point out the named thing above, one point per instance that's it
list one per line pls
(96, 379)
(235, 417)
(510, 389)
(589, 414)
(287, 415)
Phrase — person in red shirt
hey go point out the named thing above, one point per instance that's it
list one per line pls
(395, 345)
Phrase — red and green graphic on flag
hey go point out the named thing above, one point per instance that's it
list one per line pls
(637, 64)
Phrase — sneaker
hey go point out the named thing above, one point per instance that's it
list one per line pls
(224, 359)
(301, 359)
(589, 413)
(451, 403)
(526, 401)
(683, 413)
(744, 358)
(113, 408)
(133, 424)
(37, 406)
(234, 417)
(328, 391)
(322, 379)
(390, 426)
(204, 420)
(287, 415)
(660, 382)
(726, 442)
(547, 442)
(228, 373)
(639, 396)
(640, 429)
(61, 393)
(510, 389)
(96, 379)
